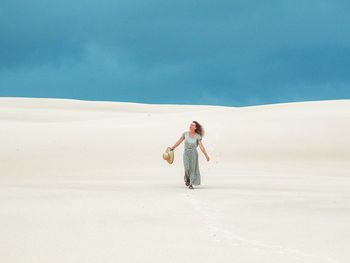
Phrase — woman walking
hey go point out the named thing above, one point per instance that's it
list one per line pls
(192, 138)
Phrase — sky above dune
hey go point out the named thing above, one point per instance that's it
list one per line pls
(234, 53)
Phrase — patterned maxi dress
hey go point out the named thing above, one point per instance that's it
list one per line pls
(190, 158)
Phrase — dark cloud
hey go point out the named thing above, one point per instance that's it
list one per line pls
(222, 52)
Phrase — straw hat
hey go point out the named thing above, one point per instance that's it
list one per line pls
(168, 155)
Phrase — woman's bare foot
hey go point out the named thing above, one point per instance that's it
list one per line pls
(190, 186)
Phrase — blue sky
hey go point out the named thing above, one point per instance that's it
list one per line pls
(234, 53)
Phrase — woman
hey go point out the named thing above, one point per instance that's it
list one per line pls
(192, 138)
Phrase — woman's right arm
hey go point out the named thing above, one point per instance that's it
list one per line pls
(177, 143)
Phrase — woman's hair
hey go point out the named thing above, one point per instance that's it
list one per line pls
(199, 129)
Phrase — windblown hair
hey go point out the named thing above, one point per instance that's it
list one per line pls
(199, 129)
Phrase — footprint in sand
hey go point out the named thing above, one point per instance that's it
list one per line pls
(219, 233)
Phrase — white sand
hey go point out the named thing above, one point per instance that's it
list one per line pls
(85, 182)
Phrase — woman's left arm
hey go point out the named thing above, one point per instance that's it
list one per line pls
(201, 146)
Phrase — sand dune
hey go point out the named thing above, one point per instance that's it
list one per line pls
(85, 181)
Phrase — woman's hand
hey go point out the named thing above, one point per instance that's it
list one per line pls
(207, 158)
